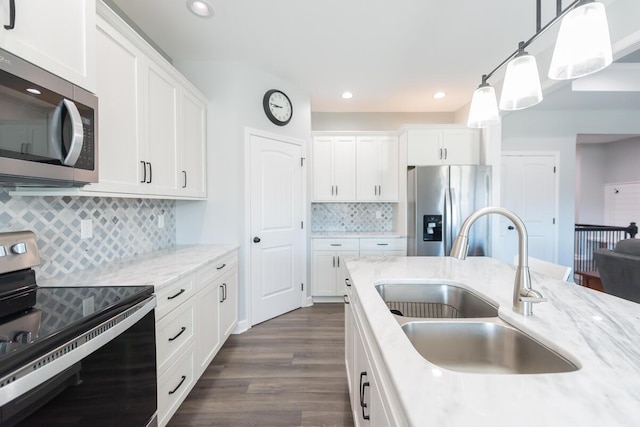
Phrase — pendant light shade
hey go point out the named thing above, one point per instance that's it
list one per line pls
(521, 88)
(484, 108)
(584, 44)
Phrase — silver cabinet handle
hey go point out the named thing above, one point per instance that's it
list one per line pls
(336, 244)
(446, 153)
(336, 190)
(346, 299)
(347, 282)
(375, 190)
(332, 190)
(338, 261)
(441, 154)
(184, 174)
(334, 261)
(382, 244)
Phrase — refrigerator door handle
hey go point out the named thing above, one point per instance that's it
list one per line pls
(448, 217)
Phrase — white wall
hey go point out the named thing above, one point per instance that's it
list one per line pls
(374, 121)
(235, 94)
(533, 130)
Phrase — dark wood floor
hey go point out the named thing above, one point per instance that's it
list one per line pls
(288, 371)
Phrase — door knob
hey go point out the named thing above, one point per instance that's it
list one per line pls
(256, 240)
(511, 227)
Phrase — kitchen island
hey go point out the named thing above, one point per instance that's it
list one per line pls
(597, 332)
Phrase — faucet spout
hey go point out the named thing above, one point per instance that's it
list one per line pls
(523, 295)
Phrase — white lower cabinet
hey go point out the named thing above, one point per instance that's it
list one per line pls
(328, 267)
(175, 385)
(368, 405)
(194, 317)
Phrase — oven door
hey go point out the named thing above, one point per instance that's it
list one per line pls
(115, 385)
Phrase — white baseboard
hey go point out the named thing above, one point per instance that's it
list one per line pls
(338, 299)
(242, 326)
(309, 302)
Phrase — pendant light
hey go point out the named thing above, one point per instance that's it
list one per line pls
(484, 108)
(521, 88)
(583, 45)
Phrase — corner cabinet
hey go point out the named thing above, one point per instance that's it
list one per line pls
(194, 316)
(152, 121)
(377, 169)
(449, 145)
(334, 169)
(55, 35)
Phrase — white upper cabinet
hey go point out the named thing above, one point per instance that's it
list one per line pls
(443, 146)
(377, 168)
(334, 169)
(161, 124)
(152, 121)
(58, 36)
(192, 173)
(120, 112)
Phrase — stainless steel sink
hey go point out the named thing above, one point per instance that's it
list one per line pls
(434, 300)
(483, 347)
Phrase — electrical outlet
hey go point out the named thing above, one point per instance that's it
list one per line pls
(161, 221)
(378, 214)
(86, 229)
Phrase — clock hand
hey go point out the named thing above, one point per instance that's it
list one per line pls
(275, 105)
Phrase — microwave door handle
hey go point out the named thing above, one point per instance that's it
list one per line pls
(77, 134)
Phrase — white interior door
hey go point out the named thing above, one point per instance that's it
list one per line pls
(278, 249)
(529, 188)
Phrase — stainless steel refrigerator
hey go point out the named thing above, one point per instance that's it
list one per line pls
(439, 199)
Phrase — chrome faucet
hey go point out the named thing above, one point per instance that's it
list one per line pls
(523, 296)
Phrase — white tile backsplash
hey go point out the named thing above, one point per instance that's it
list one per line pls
(351, 217)
(121, 228)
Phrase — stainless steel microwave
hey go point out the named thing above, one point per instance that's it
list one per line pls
(48, 128)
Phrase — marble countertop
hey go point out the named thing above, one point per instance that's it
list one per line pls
(158, 268)
(598, 331)
(354, 234)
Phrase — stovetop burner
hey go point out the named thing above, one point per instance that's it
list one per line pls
(35, 319)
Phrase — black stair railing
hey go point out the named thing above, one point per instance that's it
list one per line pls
(591, 237)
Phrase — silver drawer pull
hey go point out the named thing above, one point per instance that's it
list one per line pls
(221, 267)
(382, 244)
(336, 244)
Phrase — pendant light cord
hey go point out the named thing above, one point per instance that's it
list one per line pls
(539, 31)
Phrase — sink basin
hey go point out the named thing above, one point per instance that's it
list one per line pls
(434, 300)
(483, 347)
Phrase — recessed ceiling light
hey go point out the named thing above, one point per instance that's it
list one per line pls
(34, 91)
(439, 95)
(200, 8)
(347, 95)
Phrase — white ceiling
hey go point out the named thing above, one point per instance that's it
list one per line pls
(393, 55)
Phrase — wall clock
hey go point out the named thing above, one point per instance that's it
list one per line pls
(277, 106)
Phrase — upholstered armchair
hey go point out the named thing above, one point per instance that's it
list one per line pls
(620, 269)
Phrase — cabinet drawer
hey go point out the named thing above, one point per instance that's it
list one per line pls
(383, 244)
(216, 269)
(336, 244)
(174, 386)
(174, 333)
(172, 296)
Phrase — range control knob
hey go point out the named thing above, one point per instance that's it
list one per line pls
(3, 251)
(19, 248)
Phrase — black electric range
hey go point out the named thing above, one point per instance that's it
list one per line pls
(42, 328)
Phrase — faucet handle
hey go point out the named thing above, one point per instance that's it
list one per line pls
(534, 300)
(532, 296)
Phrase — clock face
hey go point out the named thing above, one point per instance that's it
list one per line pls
(277, 107)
